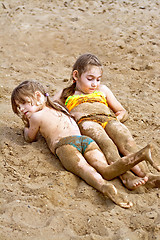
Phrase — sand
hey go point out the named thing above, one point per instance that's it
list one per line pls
(41, 40)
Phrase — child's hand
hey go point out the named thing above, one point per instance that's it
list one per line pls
(26, 122)
(24, 119)
(122, 115)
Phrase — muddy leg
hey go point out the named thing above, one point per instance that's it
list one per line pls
(96, 159)
(74, 162)
(122, 137)
(153, 181)
(105, 143)
(108, 147)
(133, 159)
(127, 145)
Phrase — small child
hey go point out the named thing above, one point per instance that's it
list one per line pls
(78, 154)
(90, 102)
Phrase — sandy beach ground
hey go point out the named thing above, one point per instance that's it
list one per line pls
(41, 40)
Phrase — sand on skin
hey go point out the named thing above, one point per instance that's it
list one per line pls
(40, 40)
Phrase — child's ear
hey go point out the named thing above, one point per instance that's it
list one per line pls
(75, 75)
(39, 97)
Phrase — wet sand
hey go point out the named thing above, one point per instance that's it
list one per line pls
(41, 40)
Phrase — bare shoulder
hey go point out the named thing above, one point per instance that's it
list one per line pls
(46, 117)
(103, 88)
(36, 117)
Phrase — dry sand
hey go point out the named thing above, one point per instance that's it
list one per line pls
(41, 40)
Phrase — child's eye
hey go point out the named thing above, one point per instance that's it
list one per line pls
(89, 79)
(22, 101)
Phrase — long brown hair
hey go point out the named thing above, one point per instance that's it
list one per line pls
(28, 89)
(81, 65)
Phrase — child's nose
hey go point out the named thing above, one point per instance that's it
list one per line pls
(94, 83)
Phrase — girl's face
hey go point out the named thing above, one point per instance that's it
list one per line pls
(89, 81)
(27, 107)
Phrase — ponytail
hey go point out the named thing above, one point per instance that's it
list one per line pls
(68, 91)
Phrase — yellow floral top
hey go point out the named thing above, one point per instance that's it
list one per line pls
(75, 100)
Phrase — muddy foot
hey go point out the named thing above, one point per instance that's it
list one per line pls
(153, 181)
(110, 191)
(134, 182)
(146, 152)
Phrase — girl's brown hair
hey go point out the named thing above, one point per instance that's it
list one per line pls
(81, 65)
(28, 89)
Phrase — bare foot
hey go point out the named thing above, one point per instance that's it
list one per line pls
(153, 181)
(110, 191)
(148, 157)
(126, 163)
(133, 182)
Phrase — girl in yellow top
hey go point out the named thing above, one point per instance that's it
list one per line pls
(78, 154)
(90, 102)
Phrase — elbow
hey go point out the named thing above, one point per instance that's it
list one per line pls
(28, 139)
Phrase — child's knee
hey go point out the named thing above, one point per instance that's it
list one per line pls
(129, 146)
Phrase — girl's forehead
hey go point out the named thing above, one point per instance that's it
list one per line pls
(92, 70)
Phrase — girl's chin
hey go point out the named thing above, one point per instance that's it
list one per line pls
(91, 91)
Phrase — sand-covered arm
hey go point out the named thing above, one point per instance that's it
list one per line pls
(30, 133)
(114, 104)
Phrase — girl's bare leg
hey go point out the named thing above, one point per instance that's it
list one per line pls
(74, 162)
(127, 145)
(96, 132)
(97, 160)
(124, 141)
(118, 131)
(108, 147)
(153, 181)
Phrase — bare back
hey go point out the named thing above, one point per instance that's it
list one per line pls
(54, 125)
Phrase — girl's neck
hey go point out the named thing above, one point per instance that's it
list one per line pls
(79, 92)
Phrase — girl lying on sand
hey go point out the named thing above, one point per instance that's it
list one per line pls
(78, 154)
(90, 102)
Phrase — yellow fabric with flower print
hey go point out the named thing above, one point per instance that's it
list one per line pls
(75, 100)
